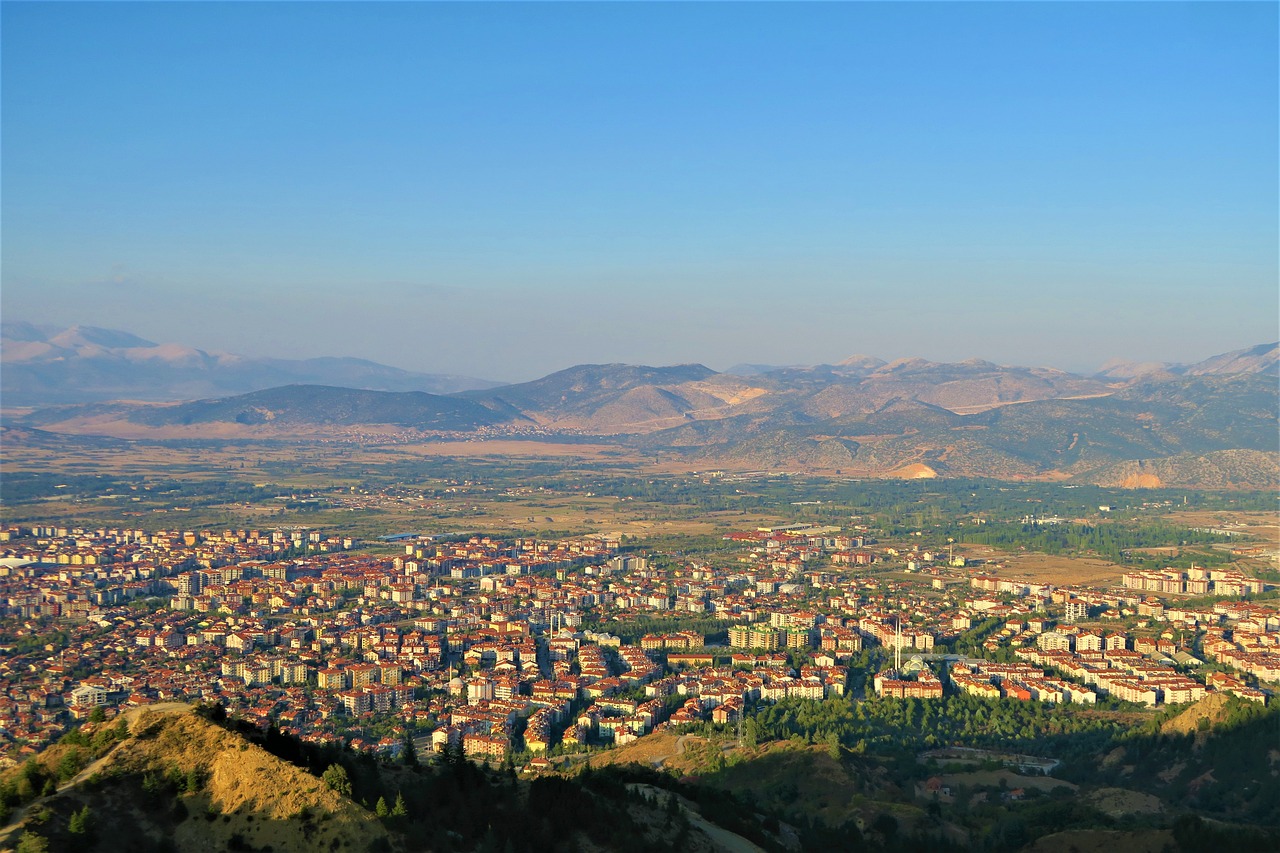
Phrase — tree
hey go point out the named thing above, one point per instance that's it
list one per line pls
(152, 783)
(81, 822)
(399, 809)
(25, 787)
(97, 715)
(70, 764)
(833, 745)
(335, 776)
(29, 842)
(75, 737)
(409, 755)
(381, 809)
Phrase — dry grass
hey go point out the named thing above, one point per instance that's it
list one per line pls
(260, 795)
(1118, 802)
(648, 751)
(1264, 525)
(515, 449)
(1045, 568)
(1212, 708)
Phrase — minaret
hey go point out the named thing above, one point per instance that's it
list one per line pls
(897, 649)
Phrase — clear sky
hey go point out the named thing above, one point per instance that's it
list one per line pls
(503, 190)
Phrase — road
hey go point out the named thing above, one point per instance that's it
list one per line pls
(661, 762)
(15, 819)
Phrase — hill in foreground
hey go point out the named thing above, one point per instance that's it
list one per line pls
(192, 782)
(181, 783)
(197, 782)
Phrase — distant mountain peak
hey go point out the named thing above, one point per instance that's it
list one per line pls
(905, 365)
(79, 336)
(49, 365)
(617, 374)
(1263, 358)
(861, 360)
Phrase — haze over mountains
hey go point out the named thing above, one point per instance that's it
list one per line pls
(45, 366)
(1211, 424)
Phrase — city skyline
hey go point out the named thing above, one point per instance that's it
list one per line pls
(506, 190)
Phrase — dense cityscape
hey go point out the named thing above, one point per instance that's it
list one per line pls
(532, 647)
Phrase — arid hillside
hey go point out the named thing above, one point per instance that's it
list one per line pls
(190, 781)
(182, 783)
(1212, 428)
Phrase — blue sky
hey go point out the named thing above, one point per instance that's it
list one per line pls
(503, 190)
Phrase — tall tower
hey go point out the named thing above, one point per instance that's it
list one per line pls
(897, 648)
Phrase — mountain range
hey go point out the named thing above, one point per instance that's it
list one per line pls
(42, 365)
(1211, 424)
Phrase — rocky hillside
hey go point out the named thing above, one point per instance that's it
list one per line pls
(1223, 469)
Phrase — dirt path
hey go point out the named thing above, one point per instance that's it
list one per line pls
(724, 838)
(721, 837)
(15, 819)
(19, 815)
(661, 762)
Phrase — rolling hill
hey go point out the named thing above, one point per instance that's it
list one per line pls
(293, 410)
(1214, 425)
(180, 782)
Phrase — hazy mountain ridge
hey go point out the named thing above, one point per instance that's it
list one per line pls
(44, 366)
(280, 412)
(605, 398)
(1064, 438)
(973, 418)
(1263, 358)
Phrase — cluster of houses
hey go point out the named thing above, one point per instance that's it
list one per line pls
(488, 643)
(1016, 681)
(1195, 581)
